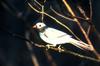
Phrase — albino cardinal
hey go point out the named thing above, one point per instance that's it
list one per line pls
(56, 37)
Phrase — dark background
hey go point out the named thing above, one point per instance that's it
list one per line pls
(14, 51)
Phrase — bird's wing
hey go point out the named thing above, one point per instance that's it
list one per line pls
(54, 36)
(54, 33)
(55, 41)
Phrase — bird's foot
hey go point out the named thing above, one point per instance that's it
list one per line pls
(60, 49)
(48, 46)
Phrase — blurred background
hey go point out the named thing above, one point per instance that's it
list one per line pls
(17, 18)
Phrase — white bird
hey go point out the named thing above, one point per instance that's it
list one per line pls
(55, 37)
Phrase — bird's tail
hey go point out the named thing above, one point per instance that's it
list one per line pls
(80, 44)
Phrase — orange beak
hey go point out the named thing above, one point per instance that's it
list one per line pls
(34, 26)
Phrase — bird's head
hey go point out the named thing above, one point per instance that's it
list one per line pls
(40, 26)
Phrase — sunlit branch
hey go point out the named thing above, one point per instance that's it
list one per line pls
(70, 52)
(76, 20)
(91, 14)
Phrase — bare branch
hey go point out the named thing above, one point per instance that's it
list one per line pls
(70, 52)
(83, 31)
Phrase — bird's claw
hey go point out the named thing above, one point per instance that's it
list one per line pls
(60, 49)
(48, 46)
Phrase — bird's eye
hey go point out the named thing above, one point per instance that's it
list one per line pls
(39, 25)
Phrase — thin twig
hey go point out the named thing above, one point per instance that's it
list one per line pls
(37, 5)
(89, 28)
(83, 12)
(37, 2)
(71, 19)
(90, 3)
(42, 17)
(61, 15)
